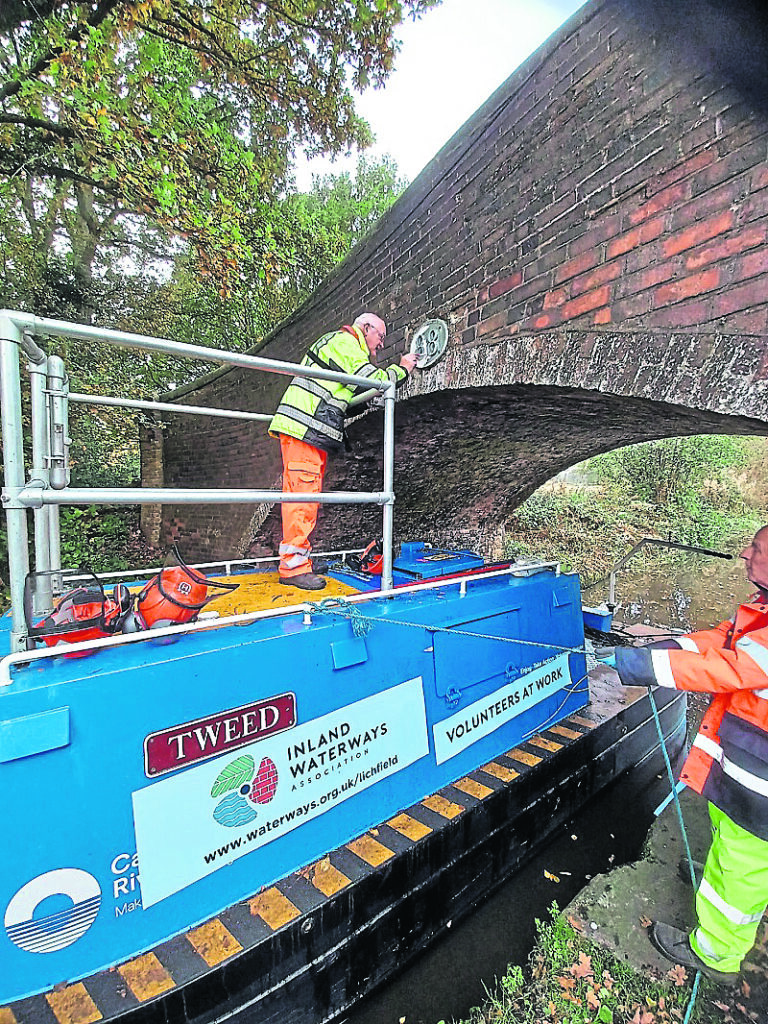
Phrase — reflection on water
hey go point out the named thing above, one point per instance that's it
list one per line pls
(690, 592)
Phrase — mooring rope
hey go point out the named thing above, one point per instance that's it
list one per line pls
(364, 623)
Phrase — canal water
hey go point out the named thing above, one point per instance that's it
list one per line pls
(693, 592)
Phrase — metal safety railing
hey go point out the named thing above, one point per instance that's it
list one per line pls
(307, 608)
(47, 487)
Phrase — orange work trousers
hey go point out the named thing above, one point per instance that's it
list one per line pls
(303, 470)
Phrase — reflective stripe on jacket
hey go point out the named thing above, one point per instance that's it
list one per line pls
(728, 762)
(313, 410)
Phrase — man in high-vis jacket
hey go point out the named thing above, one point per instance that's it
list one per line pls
(728, 765)
(309, 423)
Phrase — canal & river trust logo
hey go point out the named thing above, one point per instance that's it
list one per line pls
(72, 899)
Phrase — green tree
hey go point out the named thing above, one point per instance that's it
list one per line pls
(183, 113)
(310, 233)
(349, 205)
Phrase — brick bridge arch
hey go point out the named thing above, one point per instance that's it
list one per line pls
(596, 236)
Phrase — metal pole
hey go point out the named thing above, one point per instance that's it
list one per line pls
(13, 460)
(387, 529)
(65, 329)
(199, 410)
(59, 423)
(33, 497)
(57, 580)
(43, 597)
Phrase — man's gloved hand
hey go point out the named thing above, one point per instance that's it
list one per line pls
(635, 666)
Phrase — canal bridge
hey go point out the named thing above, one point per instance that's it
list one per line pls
(596, 238)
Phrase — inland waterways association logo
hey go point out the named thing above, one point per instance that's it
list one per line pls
(245, 787)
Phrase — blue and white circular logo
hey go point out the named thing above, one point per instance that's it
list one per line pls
(72, 899)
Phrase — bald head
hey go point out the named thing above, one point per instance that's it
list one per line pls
(374, 330)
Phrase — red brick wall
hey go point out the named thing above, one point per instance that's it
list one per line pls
(599, 227)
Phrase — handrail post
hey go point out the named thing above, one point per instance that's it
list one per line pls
(58, 388)
(388, 484)
(13, 468)
(39, 474)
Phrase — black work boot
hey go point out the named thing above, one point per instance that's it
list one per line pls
(304, 581)
(675, 945)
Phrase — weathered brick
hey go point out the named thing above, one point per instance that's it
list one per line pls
(707, 229)
(556, 298)
(584, 303)
(645, 232)
(747, 238)
(752, 265)
(694, 284)
(602, 316)
(492, 324)
(601, 275)
(663, 200)
(506, 284)
(575, 266)
(606, 228)
(742, 297)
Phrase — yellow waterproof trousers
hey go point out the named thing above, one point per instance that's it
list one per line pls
(732, 896)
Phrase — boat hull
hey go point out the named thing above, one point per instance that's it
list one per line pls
(153, 786)
(313, 944)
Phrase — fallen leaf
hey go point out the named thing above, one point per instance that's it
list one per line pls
(607, 980)
(721, 1006)
(678, 975)
(575, 923)
(642, 1017)
(583, 969)
(592, 1001)
(567, 983)
(745, 988)
(550, 876)
(646, 922)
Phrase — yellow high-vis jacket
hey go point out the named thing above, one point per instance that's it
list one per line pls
(314, 410)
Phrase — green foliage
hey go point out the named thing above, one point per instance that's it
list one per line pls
(591, 528)
(102, 540)
(574, 981)
(348, 206)
(311, 233)
(183, 114)
(673, 470)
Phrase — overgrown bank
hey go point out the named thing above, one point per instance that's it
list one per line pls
(710, 492)
(570, 980)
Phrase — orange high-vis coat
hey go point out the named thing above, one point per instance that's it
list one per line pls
(728, 762)
(303, 470)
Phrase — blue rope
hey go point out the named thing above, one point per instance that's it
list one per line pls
(689, 1011)
(678, 808)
